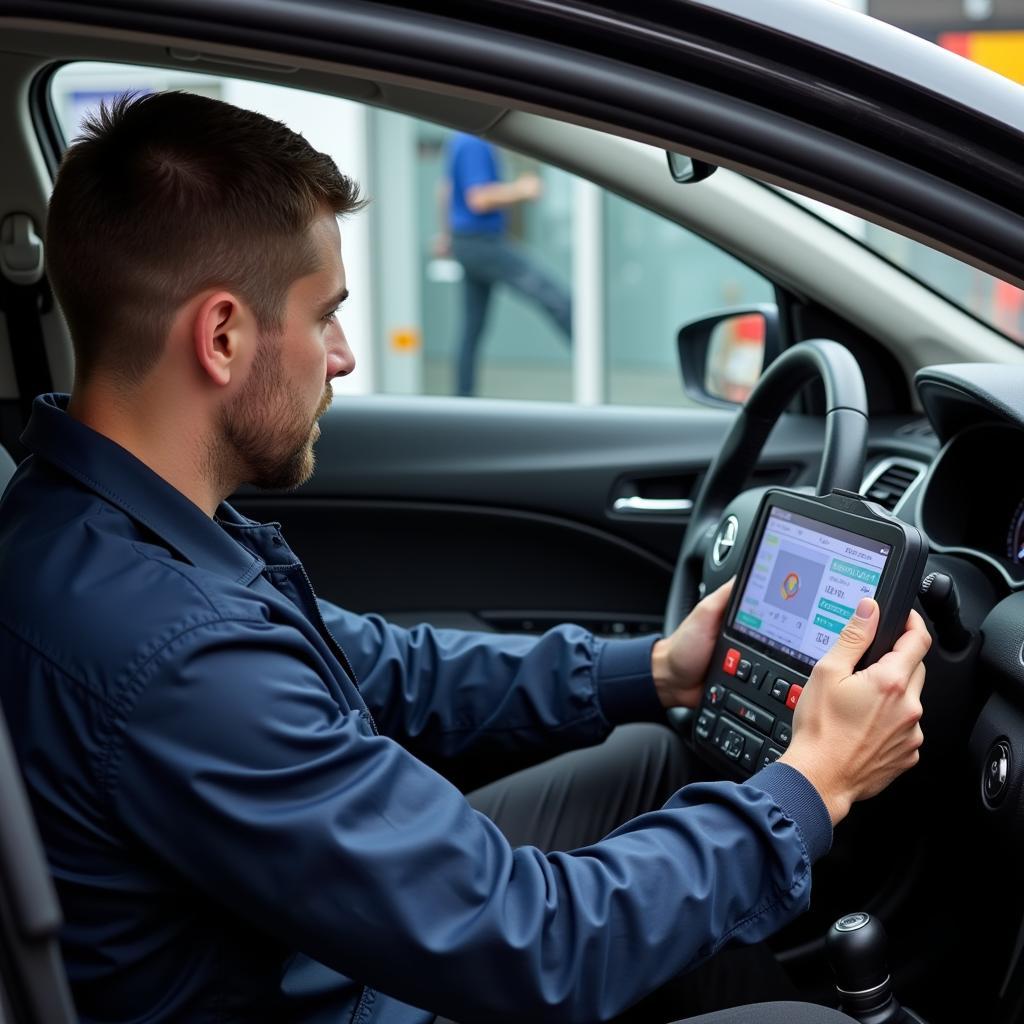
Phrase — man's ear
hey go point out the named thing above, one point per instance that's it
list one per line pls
(220, 335)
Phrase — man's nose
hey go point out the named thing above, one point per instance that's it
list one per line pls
(340, 361)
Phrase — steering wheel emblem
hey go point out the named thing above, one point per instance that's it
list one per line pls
(725, 541)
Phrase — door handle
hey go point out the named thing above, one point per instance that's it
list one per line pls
(635, 505)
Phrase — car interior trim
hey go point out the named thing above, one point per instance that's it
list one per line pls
(874, 474)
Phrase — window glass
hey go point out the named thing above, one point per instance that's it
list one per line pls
(660, 277)
(995, 302)
(461, 270)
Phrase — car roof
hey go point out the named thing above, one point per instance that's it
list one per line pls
(887, 49)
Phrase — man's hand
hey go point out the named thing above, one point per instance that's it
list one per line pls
(530, 187)
(854, 732)
(679, 662)
(496, 195)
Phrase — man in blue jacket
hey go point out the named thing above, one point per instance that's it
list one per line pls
(223, 768)
(477, 205)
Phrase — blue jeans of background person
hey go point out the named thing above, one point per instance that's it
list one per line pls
(488, 260)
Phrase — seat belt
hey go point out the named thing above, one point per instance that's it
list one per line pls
(24, 297)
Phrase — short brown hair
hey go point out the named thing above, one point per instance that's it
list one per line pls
(167, 194)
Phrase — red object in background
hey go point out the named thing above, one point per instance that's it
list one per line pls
(732, 659)
(999, 49)
(794, 695)
(1008, 307)
(749, 328)
(958, 42)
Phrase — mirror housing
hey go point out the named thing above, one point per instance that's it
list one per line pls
(686, 170)
(722, 356)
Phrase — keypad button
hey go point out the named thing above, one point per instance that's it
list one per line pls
(771, 755)
(715, 694)
(731, 662)
(751, 757)
(739, 744)
(794, 695)
(705, 726)
(732, 744)
(783, 733)
(780, 690)
(743, 669)
(757, 675)
(750, 713)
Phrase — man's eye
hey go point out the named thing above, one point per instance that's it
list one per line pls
(333, 313)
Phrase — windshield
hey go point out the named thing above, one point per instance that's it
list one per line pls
(994, 302)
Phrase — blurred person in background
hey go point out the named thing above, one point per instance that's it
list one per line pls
(475, 200)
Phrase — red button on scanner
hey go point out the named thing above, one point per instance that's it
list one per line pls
(732, 660)
(794, 695)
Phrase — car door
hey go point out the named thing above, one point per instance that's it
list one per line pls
(510, 516)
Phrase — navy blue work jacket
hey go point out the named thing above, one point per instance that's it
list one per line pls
(237, 833)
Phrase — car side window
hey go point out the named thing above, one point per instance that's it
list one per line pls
(480, 272)
(659, 277)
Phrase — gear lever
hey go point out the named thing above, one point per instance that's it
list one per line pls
(856, 949)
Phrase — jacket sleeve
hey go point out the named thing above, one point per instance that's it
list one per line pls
(343, 845)
(445, 691)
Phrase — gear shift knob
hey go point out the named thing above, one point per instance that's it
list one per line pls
(856, 948)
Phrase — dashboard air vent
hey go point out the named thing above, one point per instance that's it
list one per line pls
(890, 480)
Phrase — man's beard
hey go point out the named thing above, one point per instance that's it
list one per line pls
(266, 435)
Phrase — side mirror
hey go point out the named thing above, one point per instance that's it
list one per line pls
(722, 356)
(686, 170)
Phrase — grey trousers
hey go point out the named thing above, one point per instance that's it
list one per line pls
(488, 260)
(575, 799)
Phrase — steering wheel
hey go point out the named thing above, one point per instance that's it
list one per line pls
(722, 514)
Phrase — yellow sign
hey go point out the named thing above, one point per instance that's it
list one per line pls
(406, 339)
(1002, 52)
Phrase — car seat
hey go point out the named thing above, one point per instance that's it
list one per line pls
(7, 468)
(33, 985)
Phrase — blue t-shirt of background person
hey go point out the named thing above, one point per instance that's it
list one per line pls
(471, 161)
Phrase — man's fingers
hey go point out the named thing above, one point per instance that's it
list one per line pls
(915, 638)
(912, 646)
(715, 602)
(710, 609)
(916, 684)
(856, 636)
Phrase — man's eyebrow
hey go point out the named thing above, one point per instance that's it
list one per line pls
(336, 300)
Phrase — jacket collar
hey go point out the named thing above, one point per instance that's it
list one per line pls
(120, 478)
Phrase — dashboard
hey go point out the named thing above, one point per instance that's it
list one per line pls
(953, 828)
(971, 507)
(973, 499)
